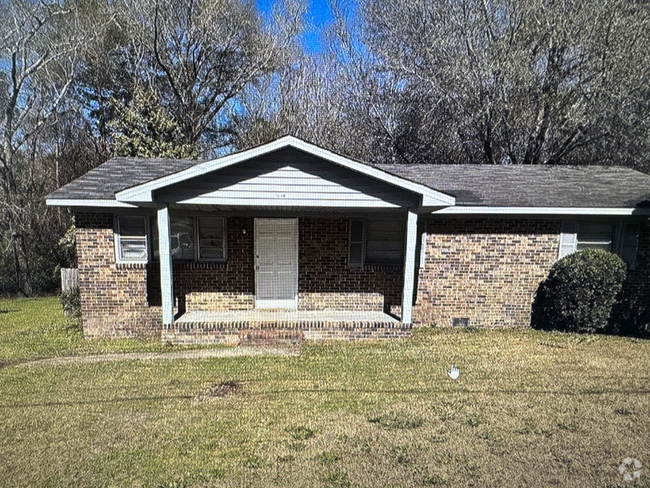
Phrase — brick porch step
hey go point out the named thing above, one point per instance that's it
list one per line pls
(271, 337)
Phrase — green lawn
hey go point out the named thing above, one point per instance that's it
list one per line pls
(35, 328)
(529, 409)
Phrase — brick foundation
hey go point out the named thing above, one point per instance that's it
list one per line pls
(219, 301)
(341, 301)
(485, 270)
(234, 334)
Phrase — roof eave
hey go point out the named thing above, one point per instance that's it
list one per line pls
(577, 211)
(86, 203)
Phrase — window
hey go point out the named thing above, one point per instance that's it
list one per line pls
(595, 236)
(194, 238)
(131, 239)
(355, 257)
(182, 238)
(211, 238)
(619, 238)
(376, 242)
(385, 242)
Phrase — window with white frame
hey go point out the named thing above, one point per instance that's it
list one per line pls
(131, 239)
(200, 238)
(617, 237)
(376, 242)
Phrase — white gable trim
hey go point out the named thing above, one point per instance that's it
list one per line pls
(477, 210)
(144, 193)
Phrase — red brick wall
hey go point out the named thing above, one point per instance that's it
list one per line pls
(113, 297)
(124, 300)
(323, 269)
(230, 283)
(487, 270)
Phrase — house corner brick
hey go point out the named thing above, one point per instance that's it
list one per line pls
(486, 270)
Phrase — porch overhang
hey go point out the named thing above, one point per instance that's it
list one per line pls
(153, 191)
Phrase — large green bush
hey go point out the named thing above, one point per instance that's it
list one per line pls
(579, 293)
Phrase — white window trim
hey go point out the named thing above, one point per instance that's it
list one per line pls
(118, 241)
(423, 249)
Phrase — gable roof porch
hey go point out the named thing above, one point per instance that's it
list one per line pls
(285, 178)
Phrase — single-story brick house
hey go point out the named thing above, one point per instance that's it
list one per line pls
(288, 236)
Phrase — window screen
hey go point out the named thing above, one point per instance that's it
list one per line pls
(385, 242)
(209, 232)
(182, 237)
(595, 236)
(211, 235)
(132, 238)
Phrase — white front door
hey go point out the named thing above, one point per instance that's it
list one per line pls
(276, 263)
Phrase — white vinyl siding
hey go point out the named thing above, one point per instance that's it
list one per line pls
(195, 238)
(131, 239)
(282, 181)
(619, 238)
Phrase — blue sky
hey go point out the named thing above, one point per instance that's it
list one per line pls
(318, 16)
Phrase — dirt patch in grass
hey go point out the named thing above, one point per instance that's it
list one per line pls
(220, 390)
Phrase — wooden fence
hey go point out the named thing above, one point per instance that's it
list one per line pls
(69, 278)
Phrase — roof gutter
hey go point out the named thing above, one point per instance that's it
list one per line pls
(80, 202)
(486, 210)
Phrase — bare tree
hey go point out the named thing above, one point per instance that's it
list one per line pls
(40, 43)
(197, 55)
(498, 81)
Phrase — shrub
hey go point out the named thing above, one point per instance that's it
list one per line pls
(71, 302)
(579, 293)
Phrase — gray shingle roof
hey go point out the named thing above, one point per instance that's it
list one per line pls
(472, 185)
(532, 186)
(118, 174)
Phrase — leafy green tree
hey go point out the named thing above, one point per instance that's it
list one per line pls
(145, 129)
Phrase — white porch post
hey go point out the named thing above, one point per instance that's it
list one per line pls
(409, 266)
(165, 253)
